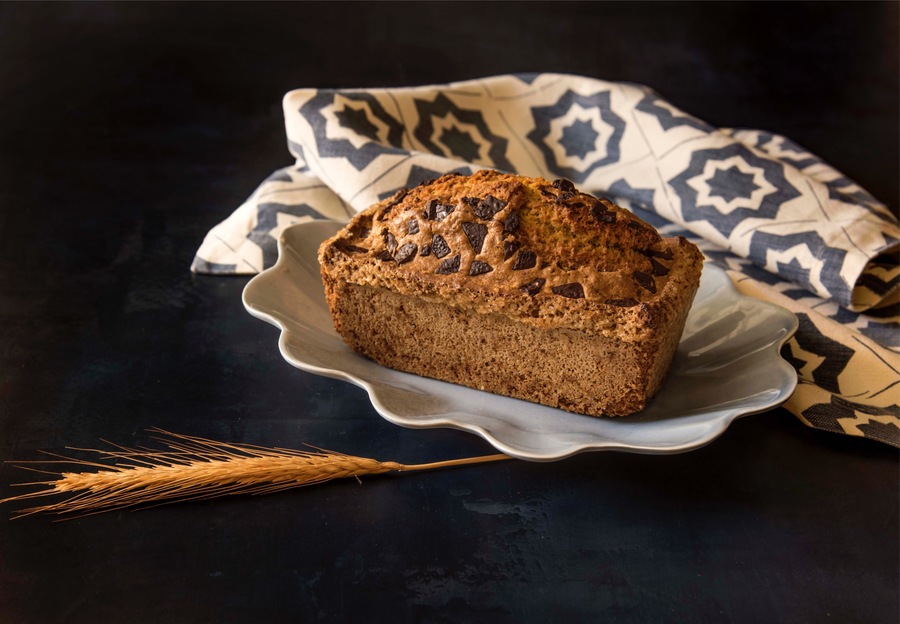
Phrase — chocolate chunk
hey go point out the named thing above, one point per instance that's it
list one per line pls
(476, 233)
(602, 214)
(563, 185)
(448, 266)
(406, 253)
(430, 206)
(662, 255)
(439, 246)
(509, 248)
(425, 250)
(525, 260)
(622, 303)
(645, 280)
(471, 201)
(346, 247)
(488, 207)
(436, 211)
(442, 211)
(659, 269)
(512, 223)
(533, 287)
(412, 226)
(635, 225)
(480, 268)
(389, 240)
(572, 290)
(564, 196)
(385, 255)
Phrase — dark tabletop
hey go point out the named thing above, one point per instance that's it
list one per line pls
(128, 130)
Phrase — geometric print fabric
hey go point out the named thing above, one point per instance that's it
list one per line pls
(786, 225)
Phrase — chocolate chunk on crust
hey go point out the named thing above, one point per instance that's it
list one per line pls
(436, 211)
(488, 207)
(439, 246)
(525, 260)
(390, 241)
(572, 290)
(348, 248)
(602, 214)
(480, 268)
(512, 223)
(564, 185)
(534, 286)
(406, 253)
(509, 248)
(448, 266)
(659, 269)
(645, 280)
(476, 233)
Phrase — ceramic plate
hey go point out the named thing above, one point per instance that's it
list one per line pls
(728, 365)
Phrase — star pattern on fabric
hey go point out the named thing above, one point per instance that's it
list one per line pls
(357, 119)
(460, 143)
(579, 138)
(821, 365)
(726, 199)
(831, 416)
(793, 254)
(437, 118)
(335, 124)
(731, 183)
(887, 432)
(577, 134)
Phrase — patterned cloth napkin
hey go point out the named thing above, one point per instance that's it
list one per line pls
(786, 226)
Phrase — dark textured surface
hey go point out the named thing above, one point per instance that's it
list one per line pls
(127, 130)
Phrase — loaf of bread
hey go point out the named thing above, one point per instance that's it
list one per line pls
(516, 286)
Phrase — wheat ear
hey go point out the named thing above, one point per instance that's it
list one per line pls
(195, 468)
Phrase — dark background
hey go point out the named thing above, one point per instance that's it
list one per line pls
(128, 130)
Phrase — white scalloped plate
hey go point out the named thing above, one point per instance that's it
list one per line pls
(728, 365)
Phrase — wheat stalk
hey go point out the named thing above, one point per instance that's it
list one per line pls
(196, 469)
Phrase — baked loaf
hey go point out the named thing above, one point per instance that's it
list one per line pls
(517, 286)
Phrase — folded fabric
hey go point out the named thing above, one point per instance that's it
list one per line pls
(787, 226)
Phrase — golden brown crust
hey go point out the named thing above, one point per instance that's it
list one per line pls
(535, 252)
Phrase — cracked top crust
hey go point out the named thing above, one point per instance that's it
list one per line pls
(541, 252)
